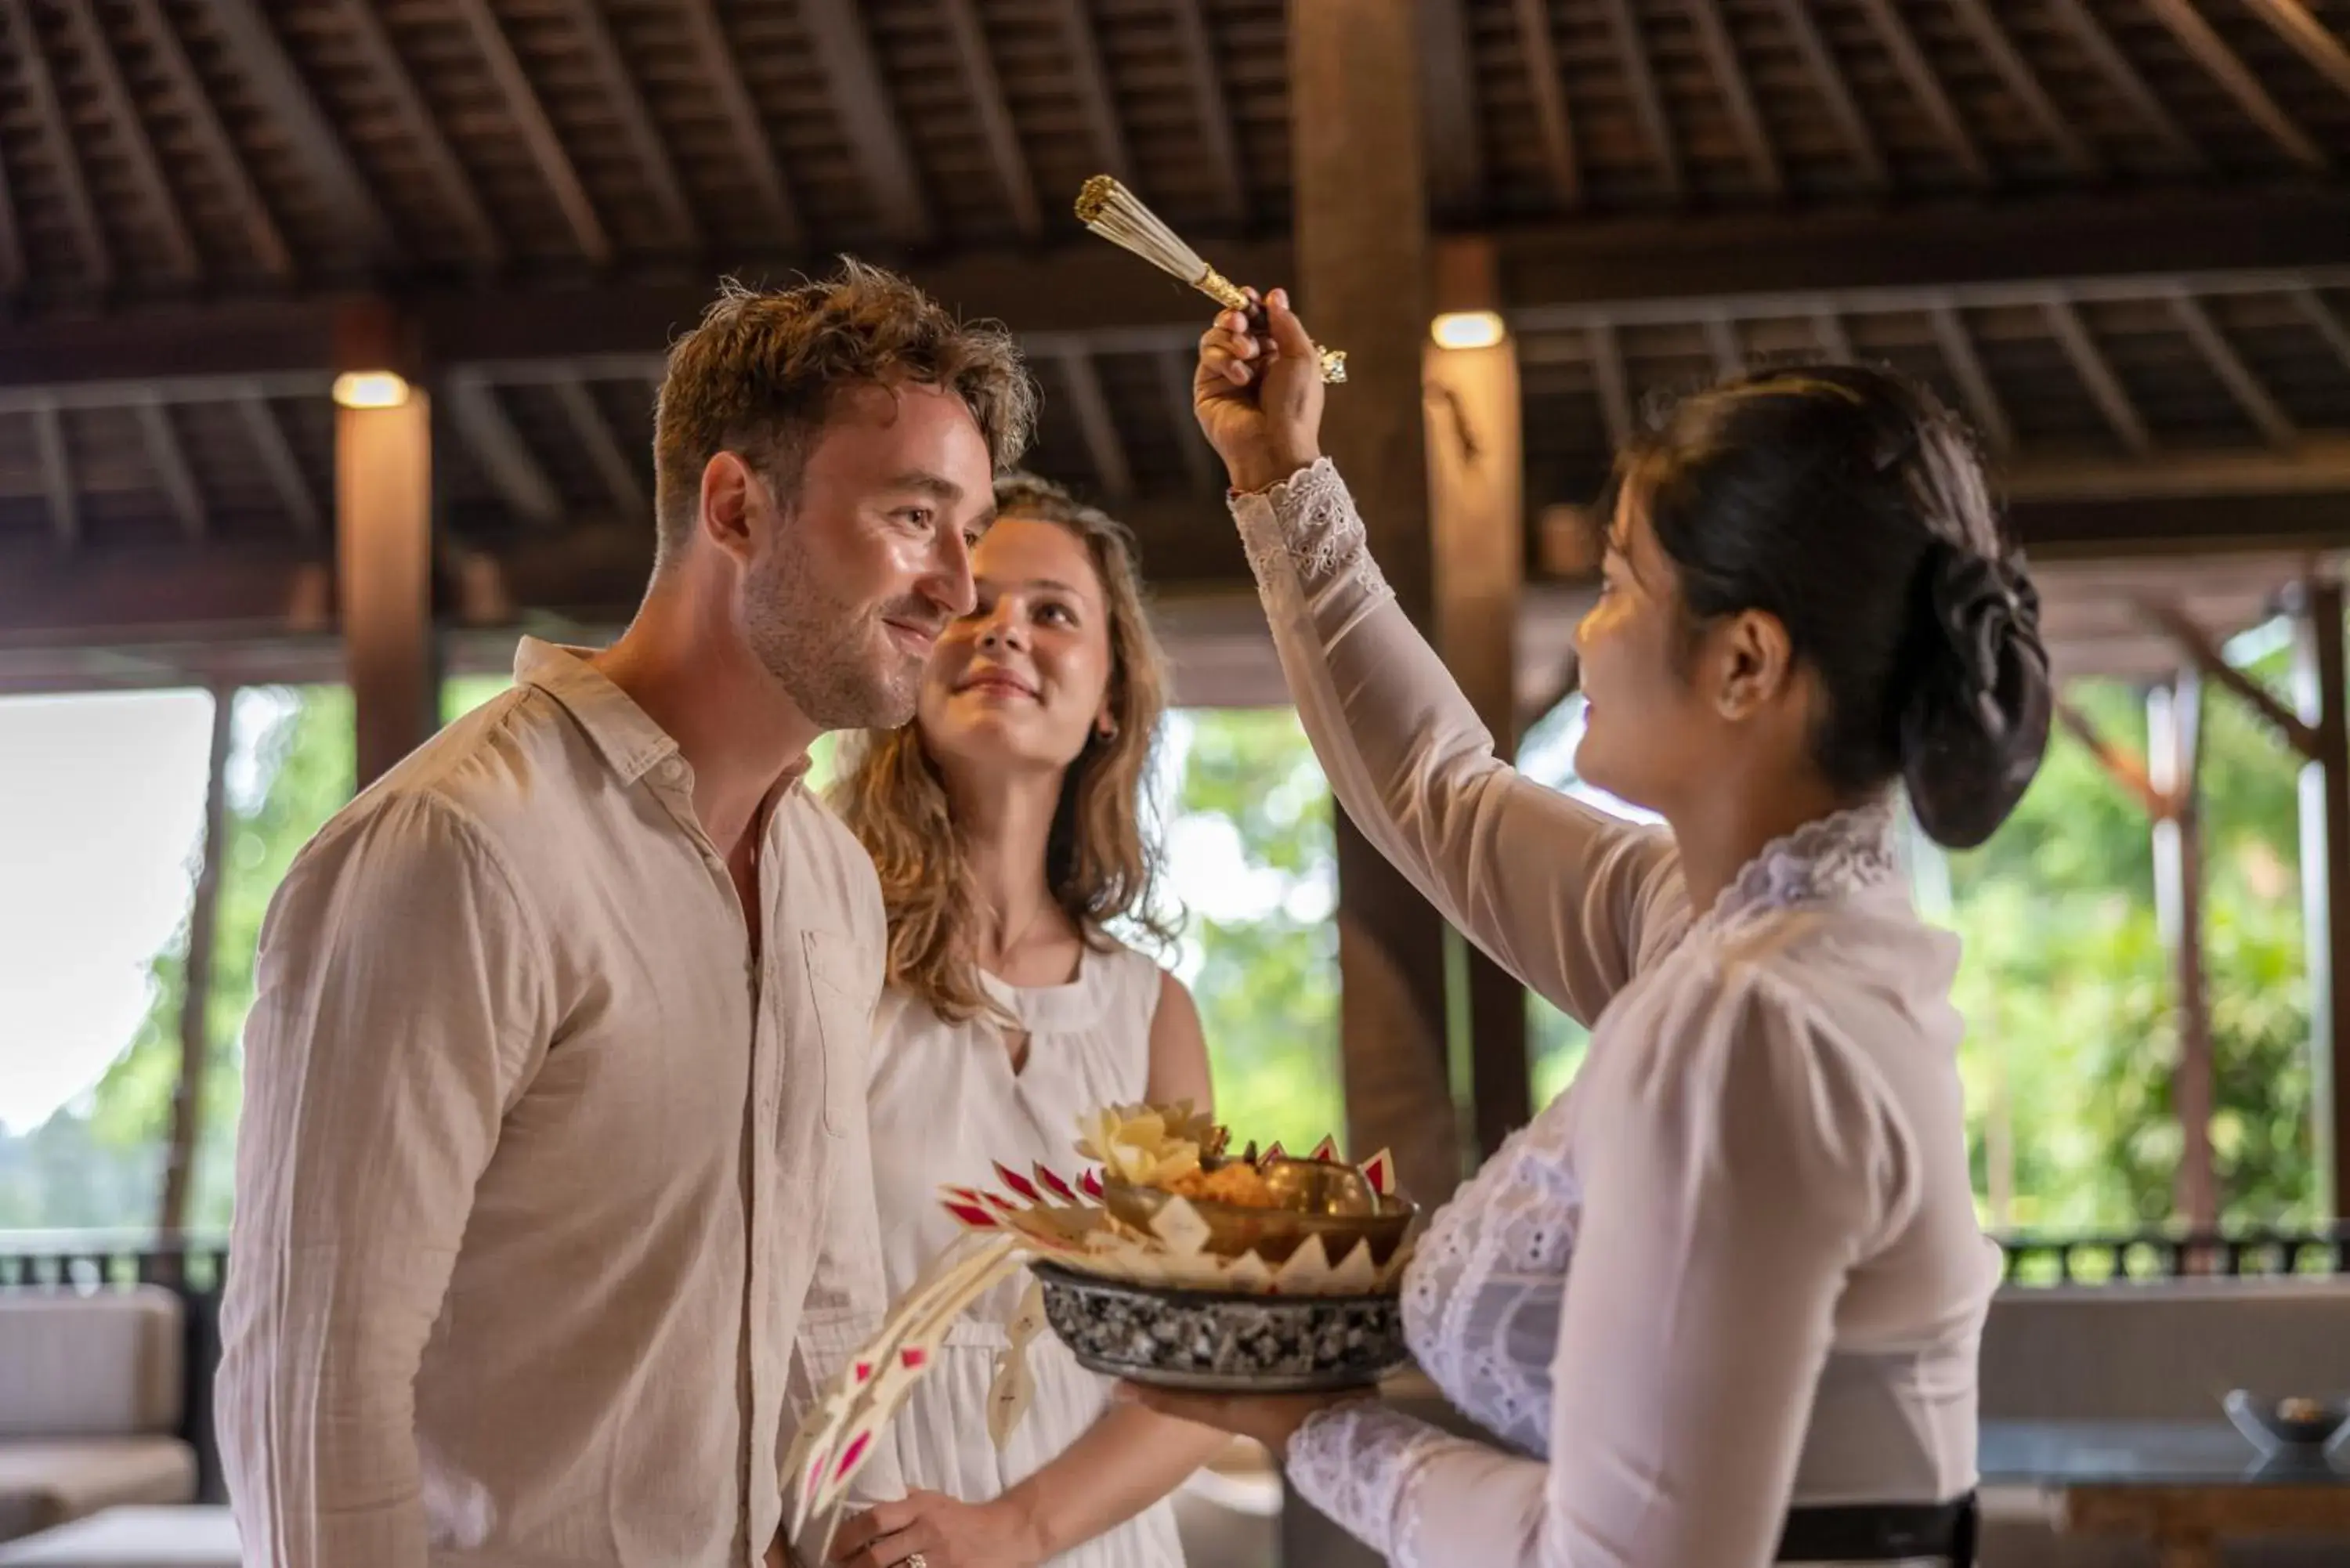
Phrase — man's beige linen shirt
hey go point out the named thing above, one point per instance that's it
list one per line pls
(545, 1190)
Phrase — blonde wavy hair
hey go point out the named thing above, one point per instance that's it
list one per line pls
(1104, 859)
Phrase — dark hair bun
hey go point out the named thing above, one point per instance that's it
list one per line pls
(1974, 730)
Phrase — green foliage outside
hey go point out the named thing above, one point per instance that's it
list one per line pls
(2066, 984)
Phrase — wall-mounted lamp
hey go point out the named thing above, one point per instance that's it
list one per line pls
(370, 390)
(1466, 329)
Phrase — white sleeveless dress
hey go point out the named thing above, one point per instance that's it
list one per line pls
(945, 1104)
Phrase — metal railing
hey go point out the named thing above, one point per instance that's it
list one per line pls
(2146, 1256)
(196, 1270)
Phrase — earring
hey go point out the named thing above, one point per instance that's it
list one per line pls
(1107, 732)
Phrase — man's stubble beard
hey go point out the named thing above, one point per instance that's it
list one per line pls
(833, 660)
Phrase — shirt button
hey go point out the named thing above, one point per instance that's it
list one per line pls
(671, 770)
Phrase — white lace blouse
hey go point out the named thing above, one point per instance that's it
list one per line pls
(1760, 1172)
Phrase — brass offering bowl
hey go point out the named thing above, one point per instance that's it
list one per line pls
(1316, 1198)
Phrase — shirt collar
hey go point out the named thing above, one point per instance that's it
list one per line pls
(625, 734)
(632, 743)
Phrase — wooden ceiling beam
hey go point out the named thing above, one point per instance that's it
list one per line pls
(1725, 257)
(995, 112)
(1974, 383)
(1220, 145)
(1555, 126)
(260, 55)
(593, 433)
(714, 52)
(2260, 405)
(537, 131)
(56, 475)
(1835, 338)
(1175, 369)
(173, 476)
(1828, 77)
(41, 86)
(2099, 45)
(1556, 277)
(1449, 107)
(1729, 74)
(146, 164)
(2328, 325)
(1917, 71)
(390, 74)
(2211, 51)
(1105, 450)
(636, 118)
(1991, 36)
(13, 269)
(1648, 102)
(860, 97)
(261, 231)
(2298, 26)
(506, 461)
(1613, 386)
(284, 470)
(1089, 77)
(2089, 363)
(594, 572)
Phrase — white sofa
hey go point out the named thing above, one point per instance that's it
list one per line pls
(90, 1394)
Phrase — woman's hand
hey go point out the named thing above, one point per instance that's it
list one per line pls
(944, 1532)
(1259, 395)
(1270, 1418)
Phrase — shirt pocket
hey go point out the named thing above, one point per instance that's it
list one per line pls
(843, 1004)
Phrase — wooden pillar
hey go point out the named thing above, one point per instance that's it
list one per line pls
(1476, 483)
(2174, 722)
(1361, 221)
(196, 981)
(2325, 876)
(383, 542)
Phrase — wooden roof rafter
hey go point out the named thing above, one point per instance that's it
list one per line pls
(2260, 405)
(371, 36)
(995, 123)
(714, 53)
(1648, 102)
(2200, 40)
(1220, 146)
(57, 475)
(1926, 86)
(862, 102)
(1737, 90)
(2128, 81)
(123, 118)
(1555, 124)
(260, 225)
(1827, 80)
(627, 104)
(537, 131)
(1992, 36)
(49, 109)
(253, 44)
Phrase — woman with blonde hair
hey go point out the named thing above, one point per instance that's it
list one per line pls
(1009, 824)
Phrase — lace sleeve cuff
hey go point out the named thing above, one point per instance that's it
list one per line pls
(1361, 1464)
(1310, 520)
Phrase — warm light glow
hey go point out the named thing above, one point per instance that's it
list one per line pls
(370, 390)
(1466, 329)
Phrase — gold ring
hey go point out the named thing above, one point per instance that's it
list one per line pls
(917, 1561)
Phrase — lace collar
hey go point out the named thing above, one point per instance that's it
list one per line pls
(1830, 857)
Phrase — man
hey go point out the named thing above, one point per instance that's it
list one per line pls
(554, 1167)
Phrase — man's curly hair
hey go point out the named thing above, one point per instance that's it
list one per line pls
(759, 374)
